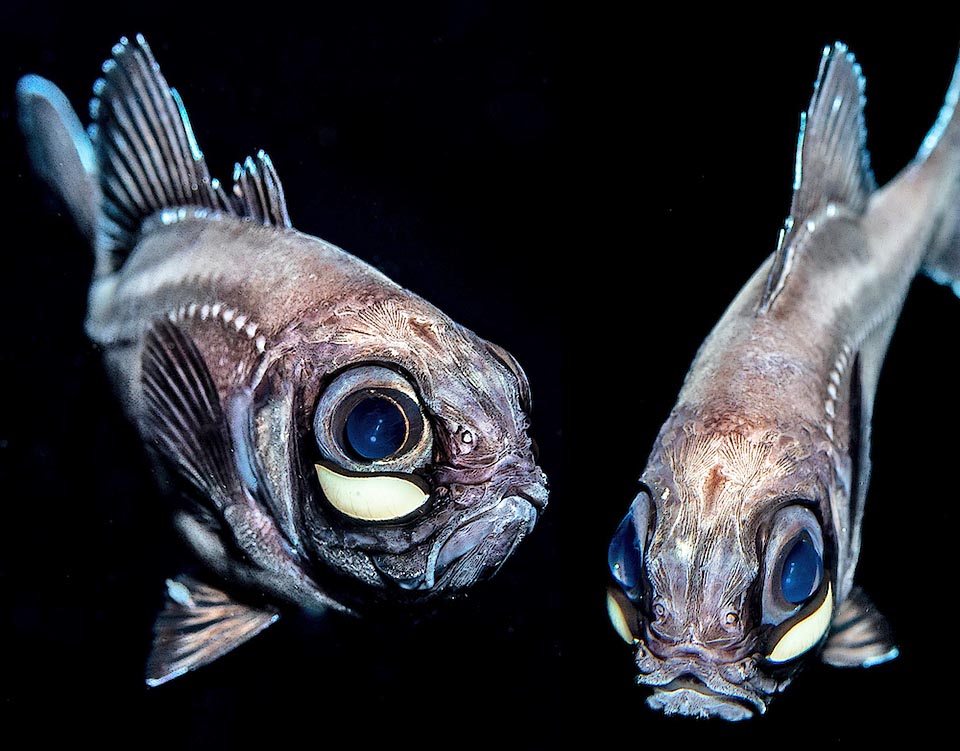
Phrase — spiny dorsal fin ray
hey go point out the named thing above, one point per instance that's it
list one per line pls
(149, 158)
(199, 623)
(258, 193)
(833, 165)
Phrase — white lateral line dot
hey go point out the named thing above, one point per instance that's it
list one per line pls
(240, 321)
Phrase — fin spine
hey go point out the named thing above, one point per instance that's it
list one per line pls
(149, 159)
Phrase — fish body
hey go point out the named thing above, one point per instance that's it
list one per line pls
(736, 561)
(335, 440)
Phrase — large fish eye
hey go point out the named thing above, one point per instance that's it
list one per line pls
(625, 554)
(370, 419)
(377, 424)
(793, 568)
(802, 569)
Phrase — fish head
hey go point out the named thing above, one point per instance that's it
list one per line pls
(415, 475)
(723, 571)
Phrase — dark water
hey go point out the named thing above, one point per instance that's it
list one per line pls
(588, 191)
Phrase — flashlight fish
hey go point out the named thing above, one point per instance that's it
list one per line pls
(736, 561)
(332, 439)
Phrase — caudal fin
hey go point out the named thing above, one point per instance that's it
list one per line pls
(939, 160)
(60, 150)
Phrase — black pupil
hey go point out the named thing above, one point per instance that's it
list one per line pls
(375, 428)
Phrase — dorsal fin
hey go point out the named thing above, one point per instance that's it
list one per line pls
(832, 166)
(258, 193)
(149, 158)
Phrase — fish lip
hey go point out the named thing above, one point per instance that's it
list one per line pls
(489, 534)
(688, 695)
(693, 687)
(537, 500)
(516, 513)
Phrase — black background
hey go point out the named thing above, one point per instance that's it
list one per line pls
(589, 191)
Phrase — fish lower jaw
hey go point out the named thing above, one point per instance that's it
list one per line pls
(691, 697)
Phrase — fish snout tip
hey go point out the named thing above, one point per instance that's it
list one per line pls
(534, 493)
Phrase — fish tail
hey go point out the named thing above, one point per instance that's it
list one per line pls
(938, 161)
(60, 150)
(138, 158)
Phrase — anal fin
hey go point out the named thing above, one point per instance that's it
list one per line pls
(860, 636)
(199, 623)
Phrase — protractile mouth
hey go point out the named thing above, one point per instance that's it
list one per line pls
(691, 697)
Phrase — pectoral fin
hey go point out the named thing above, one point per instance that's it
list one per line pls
(860, 636)
(183, 414)
(199, 624)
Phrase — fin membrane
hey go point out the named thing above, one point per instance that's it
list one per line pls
(832, 159)
(258, 193)
(941, 152)
(149, 158)
(860, 636)
(833, 165)
(59, 149)
(184, 415)
(199, 623)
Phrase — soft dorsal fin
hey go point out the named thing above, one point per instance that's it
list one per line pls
(149, 158)
(833, 164)
(832, 170)
(199, 623)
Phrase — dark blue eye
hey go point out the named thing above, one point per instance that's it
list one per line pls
(801, 572)
(624, 557)
(375, 428)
